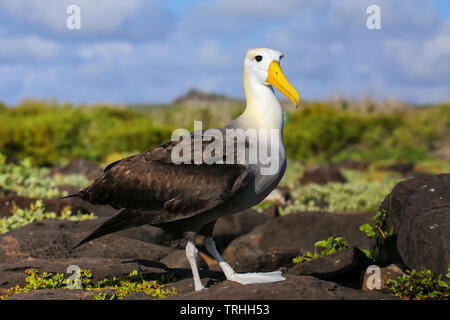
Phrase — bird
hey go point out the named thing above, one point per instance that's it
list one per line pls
(183, 189)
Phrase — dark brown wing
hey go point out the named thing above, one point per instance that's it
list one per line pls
(150, 182)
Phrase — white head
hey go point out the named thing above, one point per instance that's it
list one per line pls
(262, 67)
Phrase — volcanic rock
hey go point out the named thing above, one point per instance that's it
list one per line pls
(419, 209)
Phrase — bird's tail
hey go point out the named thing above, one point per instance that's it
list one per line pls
(124, 220)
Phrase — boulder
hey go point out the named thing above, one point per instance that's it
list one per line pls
(419, 209)
(255, 260)
(322, 174)
(146, 233)
(232, 226)
(272, 212)
(370, 283)
(293, 288)
(343, 267)
(403, 168)
(280, 196)
(51, 239)
(351, 164)
(177, 259)
(293, 235)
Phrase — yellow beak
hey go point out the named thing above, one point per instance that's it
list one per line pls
(277, 79)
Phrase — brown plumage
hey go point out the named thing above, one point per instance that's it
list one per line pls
(153, 190)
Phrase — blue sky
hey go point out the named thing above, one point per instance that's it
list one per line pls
(148, 51)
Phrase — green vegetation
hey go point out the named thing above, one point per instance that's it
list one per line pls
(134, 283)
(422, 285)
(121, 287)
(47, 132)
(382, 236)
(363, 191)
(36, 281)
(42, 133)
(329, 246)
(27, 180)
(321, 132)
(36, 212)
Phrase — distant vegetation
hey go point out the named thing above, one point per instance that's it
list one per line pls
(48, 133)
(20, 217)
(30, 181)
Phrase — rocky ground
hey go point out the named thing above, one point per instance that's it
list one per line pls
(250, 241)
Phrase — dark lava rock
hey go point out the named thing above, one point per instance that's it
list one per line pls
(145, 233)
(403, 168)
(177, 259)
(138, 296)
(322, 174)
(81, 167)
(296, 234)
(390, 272)
(419, 209)
(50, 239)
(343, 267)
(280, 196)
(351, 164)
(58, 294)
(274, 244)
(293, 288)
(272, 212)
(187, 285)
(232, 226)
(255, 260)
(301, 230)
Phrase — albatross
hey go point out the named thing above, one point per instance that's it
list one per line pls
(185, 199)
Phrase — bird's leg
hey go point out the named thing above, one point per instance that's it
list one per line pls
(191, 255)
(242, 278)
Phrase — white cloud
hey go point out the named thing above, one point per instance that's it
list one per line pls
(422, 60)
(135, 51)
(235, 16)
(138, 19)
(29, 48)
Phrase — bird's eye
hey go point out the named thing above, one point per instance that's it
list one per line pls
(258, 58)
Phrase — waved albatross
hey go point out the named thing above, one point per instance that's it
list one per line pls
(185, 198)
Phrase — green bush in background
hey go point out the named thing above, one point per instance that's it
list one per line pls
(48, 132)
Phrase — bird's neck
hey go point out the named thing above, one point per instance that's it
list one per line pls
(263, 110)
